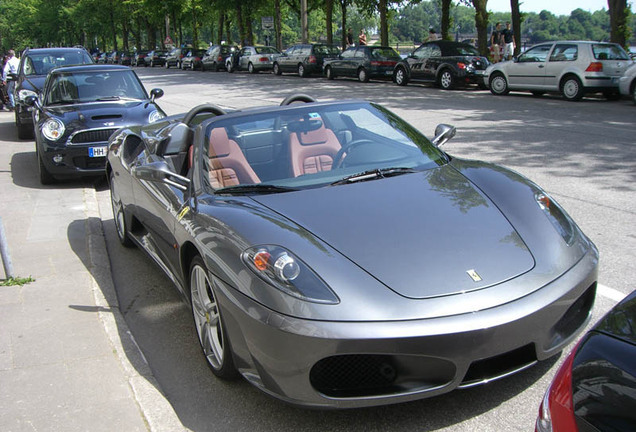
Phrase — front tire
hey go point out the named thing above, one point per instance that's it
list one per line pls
(572, 89)
(119, 215)
(302, 72)
(329, 73)
(230, 67)
(25, 131)
(499, 85)
(363, 76)
(277, 70)
(209, 323)
(45, 176)
(401, 78)
(446, 80)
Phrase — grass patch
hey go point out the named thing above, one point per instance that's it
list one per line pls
(17, 281)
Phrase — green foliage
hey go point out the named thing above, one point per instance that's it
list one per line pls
(16, 281)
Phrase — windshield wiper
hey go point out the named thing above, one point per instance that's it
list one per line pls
(373, 174)
(253, 188)
(108, 98)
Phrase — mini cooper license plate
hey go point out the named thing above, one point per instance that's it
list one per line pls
(97, 151)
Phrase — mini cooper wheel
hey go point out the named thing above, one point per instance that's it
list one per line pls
(446, 80)
(45, 176)
(572, 89)
(209, 322)
(119, 215)
(277, 70)
(362, 75)
(499, 85)
(401, 78)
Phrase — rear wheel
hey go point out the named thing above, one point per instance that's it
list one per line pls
(166, 65)
(152, 63)
(329, 73)
(250, 69)
(209, 322)
(230, 67)
(401, 77)
(277, 70)
(362, 75)
(302, 72)
(446, 80)
(119, 215)
(572, 89)
(499, 85)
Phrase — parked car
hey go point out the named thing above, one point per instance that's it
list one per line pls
(113, 57)
(102, 58)
(572, 68)
(125, 58)
(174, 57)
(138, 58)
(155, 58)
(446, 64)
(267, 219)
(192, 60)
(253, 59)
(215, 57)
(363, 62)
(594, 390)
(304, 59)
(627, 83)
(77, 111)
(35, 64)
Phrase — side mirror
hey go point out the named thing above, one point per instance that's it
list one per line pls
(155, 93)
(443, 133)
(159, 172)
(12, 77)
(32, 101)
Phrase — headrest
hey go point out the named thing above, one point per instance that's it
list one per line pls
(219, 143)
(310, 131)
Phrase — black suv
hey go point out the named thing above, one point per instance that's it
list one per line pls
(35, 64)
(445, 63)
(305, 59)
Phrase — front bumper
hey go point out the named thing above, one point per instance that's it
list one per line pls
(357, 364)
(75, 160)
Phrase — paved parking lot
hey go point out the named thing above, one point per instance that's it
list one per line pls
(582, 153)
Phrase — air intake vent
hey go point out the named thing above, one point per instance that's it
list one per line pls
(92, 136)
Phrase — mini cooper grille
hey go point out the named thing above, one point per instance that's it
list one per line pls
(353, 375)
(92, 136)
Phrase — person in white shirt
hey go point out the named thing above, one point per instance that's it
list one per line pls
(10, 67)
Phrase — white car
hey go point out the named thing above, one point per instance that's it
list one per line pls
(627, 83)
(572, 68)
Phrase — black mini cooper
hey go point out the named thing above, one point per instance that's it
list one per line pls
(77, 112)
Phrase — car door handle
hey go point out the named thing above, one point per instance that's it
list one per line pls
(541, 66)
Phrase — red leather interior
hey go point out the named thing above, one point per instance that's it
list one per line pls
(313, 151)
(228, 166)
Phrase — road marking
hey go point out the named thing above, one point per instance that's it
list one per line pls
(610, 293)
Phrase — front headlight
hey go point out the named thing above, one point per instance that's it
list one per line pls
(281, 269)
(53, 129)
(556, 215)
(155, 116)
(23, 94)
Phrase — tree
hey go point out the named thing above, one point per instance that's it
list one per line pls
(516, 24)
(481, 23)
(446, 5)
(619, 14)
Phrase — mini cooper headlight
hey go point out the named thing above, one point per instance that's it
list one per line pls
(155, 116)
(286, 272)
(556, 215)
(23, 94)
(53, 129)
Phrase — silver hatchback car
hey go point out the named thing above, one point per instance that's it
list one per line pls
(627, 83)
(572, 68)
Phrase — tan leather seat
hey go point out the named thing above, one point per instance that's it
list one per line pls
(228, 166)
(313, 151)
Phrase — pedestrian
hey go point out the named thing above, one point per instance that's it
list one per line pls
(11, 67)
(362, 38)
(495, 40)
(349, 37)
(432, 35)
(4, 97)
(508, 42)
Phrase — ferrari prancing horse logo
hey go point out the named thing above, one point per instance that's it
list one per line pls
(474, 275)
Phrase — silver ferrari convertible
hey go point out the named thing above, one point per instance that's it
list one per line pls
(334, 256)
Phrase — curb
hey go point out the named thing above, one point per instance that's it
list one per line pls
(156, 411)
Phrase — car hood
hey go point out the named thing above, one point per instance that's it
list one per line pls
(423, 235)
(103, 114)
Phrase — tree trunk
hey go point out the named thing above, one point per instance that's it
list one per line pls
(195, 28)
(277, 24)
(481, 22)
(343, 6)
(228, 34)
(619, 31)
(124, 31)
(113, 28)
(248, 27)
(516, 25)
(384, 24)
(219, 36)
(329, 20)
(239, 19)
(446, 5)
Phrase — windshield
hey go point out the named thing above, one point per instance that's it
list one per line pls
(75, 87)
(311, 146)
(42, 63)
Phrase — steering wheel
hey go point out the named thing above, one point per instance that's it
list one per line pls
(298, 97)
(338, 159)
(210, 108)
